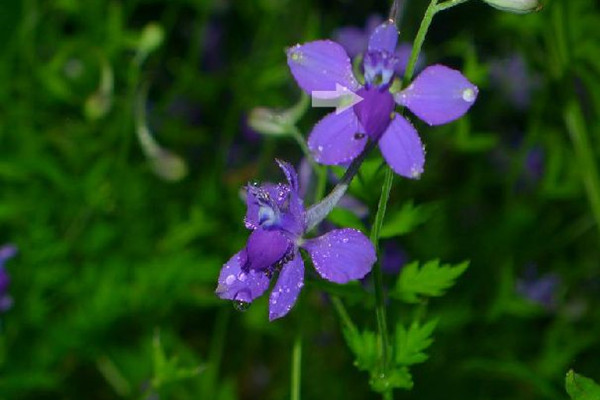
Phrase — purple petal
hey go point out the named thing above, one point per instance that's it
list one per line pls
(438, 95)
(288, 286)
(341, 255)
(277, 193)
(354, 40)
(290, 174)
(384, 37)
(235, 284)
(337, 138)
(320, 65)
(373, 22)
(266, 248)
(402, 148)
(374, 111)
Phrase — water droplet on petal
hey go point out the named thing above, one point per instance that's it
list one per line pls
(468, 95)
(240, 305)
(229, 280)
(242, 277)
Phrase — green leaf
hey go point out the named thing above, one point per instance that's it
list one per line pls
(397, 378)
(364, 347)
(345, 218)
(430, 280)
(581, 388)
(406, 219)
(411, 342)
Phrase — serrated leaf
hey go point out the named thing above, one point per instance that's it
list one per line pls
(406, 219)
(431, 280)
(411, 342)
(364, 347)
(581, 388)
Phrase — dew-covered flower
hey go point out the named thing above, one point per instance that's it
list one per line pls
(438, 95)
(6, 252)
(277, 218)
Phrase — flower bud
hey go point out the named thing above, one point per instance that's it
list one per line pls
(268, 121)
(516, 6)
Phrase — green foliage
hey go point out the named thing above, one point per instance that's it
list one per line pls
(365, 348)
(411, 342)
(406, 219)
(430, 280)
(581, 388)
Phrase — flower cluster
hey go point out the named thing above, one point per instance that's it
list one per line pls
(437, 96)
(277, 219)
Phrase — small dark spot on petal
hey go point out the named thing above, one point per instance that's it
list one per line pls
(359, 136)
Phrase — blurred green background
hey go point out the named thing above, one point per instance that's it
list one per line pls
(120, 242)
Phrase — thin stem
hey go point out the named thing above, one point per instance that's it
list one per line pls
(589, 173)
(216, 353)
(296, 367)
(317, 213)
(343, 314)
(379, 297)
(419, 39)
(449, 4)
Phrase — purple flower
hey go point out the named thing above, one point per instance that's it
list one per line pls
(6, 252)
(437, 96)
(277, 219)
(540, 289)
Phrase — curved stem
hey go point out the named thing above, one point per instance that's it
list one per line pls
(577, 129)
(296, 367)
(317, 212)
(418, 43)
(379, 297)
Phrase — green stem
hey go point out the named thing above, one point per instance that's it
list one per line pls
(589, 172)
(379, 298)
(211, 374)
(343, 314)
(449, 4)
(296, 367)
(419, 39)
(380, 312)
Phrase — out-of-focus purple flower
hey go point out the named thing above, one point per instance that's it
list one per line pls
(534, 163)
(277, 219)
(511, 77)
(356, 40)
(540, 289)
(393, 257)
(6, 252)
(437, 96)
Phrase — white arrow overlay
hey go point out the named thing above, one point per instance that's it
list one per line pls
(341, 98)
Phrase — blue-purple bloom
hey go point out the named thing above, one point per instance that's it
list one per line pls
(539, 289)
(6, 252)
(437, 96)
(277, 218)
